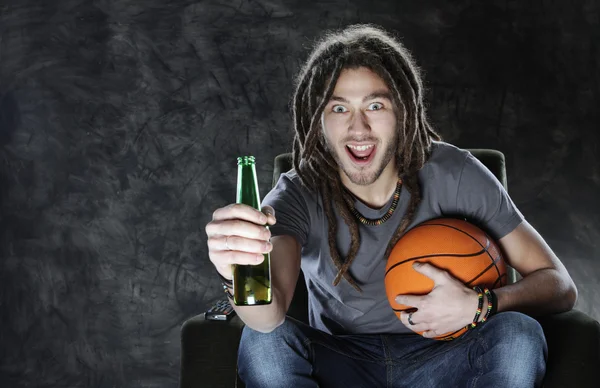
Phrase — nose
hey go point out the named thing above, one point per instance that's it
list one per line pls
(359, 123)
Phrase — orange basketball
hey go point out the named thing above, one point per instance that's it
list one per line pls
(454, 245)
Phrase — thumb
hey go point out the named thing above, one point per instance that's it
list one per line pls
(437, 275)
(270, 213)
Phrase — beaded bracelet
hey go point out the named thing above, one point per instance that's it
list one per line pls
(227, 292)
(478, 312)
(227, 284)
(488, 294)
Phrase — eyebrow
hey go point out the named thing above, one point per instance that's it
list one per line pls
(376, 94)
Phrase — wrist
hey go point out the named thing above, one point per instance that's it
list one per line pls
(480, 295)
(483, 308)
(227, 285)
(225, 273)
(494, 309)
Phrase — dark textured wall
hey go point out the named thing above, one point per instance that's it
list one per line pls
(120, 121)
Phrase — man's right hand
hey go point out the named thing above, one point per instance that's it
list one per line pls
(237, 234)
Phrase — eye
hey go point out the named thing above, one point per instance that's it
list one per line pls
(339, 109)
(376, 106)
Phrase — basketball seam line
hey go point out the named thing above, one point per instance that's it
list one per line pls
(465, 255)
(488, 242)
(474, 239)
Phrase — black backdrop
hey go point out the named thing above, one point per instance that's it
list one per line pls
(120, 121)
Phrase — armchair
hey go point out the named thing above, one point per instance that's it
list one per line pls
(209, 348)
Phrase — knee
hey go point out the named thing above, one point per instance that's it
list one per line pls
(517, 331)
(253, 341)
(516, 346)
(264, 357)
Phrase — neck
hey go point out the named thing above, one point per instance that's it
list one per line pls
(378, 193)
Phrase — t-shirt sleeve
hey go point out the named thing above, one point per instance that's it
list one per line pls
(482, 199)
(291, 209)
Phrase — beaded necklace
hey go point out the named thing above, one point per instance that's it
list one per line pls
(386, 216)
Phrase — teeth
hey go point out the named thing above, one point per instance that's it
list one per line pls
(361, 148)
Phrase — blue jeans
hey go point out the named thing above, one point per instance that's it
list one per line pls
(509, 350)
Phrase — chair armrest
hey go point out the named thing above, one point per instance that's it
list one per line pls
(209, 352)
(573, 350)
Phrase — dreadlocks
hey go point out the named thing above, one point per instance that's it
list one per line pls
(353, 47)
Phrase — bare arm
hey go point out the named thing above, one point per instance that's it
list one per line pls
(546, 286)
(242, 229)
(285, 268)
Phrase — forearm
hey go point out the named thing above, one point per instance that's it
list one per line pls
(285, 268)
(263, 318)
(541, 292)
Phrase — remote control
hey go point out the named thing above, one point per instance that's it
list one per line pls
(220, 311)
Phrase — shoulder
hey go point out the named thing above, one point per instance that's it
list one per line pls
(294, 207)
(290, 186)
(291, 180)
(445, 159)
(442, 152)
(292, 176)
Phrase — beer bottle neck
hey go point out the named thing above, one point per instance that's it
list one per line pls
(247, 187)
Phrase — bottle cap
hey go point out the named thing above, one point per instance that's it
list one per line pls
(245, 160)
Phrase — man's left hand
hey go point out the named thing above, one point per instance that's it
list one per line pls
(449, 307)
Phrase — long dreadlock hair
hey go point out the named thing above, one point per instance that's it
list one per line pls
(358, 46)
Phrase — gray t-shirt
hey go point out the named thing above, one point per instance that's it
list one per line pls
(453, 183)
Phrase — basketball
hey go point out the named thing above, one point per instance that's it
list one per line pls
(453, 245)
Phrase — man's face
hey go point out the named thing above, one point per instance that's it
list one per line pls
(359, 125)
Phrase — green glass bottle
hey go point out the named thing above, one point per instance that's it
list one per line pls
(251, 283)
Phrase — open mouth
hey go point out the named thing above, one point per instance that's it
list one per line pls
(361, 154)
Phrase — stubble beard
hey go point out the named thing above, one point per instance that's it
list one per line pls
(364, 176)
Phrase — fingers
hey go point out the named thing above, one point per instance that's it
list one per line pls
(430, 334)
(247, 213)
(417, 324)
(237, 227)
(437, 275)
(239, 244)
(240, 211)
(270, 213)
(241, 220)
(238, 235)
(227, 250)
(235, 257)
(236, 249)
(411, 300)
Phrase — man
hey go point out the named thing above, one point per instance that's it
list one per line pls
(367, 168)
